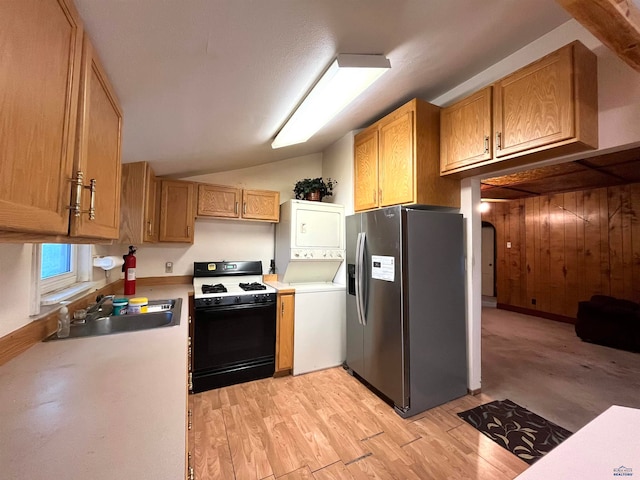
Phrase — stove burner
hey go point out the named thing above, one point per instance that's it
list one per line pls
(252, 286)
(219, 288)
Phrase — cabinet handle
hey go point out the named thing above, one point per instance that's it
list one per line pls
(190, 420)
(244, 208)
(149, 229)
(191, 382)
(380, 195)
(236, 210)
(486, 144)
(374, 195)
(499, 141)
(76, 207)
(188, 230)
(282, 308)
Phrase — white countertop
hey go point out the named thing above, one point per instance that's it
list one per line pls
(105, 407)
(607, 447)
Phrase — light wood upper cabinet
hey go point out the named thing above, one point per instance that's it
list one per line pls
(396, 169)
(176, 211)
(544, 110)
(465, 131)
(219, 201)
(98, 150)
(534, 106)
(397, 161)
(139, 204)
(230, 202)
(365, 191)
(261, 205)
(284, 333)
(39, 84)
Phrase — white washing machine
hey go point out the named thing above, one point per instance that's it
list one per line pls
(320, 330)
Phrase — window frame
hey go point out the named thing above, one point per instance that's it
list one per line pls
(63, 280)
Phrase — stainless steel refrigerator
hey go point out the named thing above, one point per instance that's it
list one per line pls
(406, 329)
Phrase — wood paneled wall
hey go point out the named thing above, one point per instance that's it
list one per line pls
(567, 247)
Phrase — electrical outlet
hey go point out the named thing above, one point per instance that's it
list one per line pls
(168, 267)
(508, 244)
(533, 301)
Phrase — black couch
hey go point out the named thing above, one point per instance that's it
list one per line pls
(609, 321)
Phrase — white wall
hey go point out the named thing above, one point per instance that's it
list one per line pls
(217, 240)
(337, 163)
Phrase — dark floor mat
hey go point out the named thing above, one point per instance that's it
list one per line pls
(523, 433)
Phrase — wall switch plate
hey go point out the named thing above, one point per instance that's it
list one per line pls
(508, 244)
(168, 267)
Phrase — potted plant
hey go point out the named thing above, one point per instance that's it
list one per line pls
(314, 188)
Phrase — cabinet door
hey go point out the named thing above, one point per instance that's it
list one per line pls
(396, 161)
(218, 201)
(465, 130)
(152, 208)
(261, 205)
(534, 106)
(365, 188)
(98, 150)
(41, 45)
(286, 318)
(176, 211)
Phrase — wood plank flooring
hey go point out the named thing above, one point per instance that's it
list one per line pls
(327, 426)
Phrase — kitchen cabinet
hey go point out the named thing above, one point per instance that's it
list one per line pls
(284, 333)
(191, 401)
(61, 134)
(139, 204)
(219, 201)
(366, 170)
(397, 161)
(466, 132)
(97, 151)
(231, 202)
(40, 84)
(544, 110)
(177, 211)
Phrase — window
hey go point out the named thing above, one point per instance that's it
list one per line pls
(57, 266)
(60, 271)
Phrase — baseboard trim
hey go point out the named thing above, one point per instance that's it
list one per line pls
(282, 373)
(537, 313)
(474, 392)
(20, 340)
(159, 281)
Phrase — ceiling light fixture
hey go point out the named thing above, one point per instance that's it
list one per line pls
(346, 78)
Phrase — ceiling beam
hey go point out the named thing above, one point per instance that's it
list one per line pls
(616, 23)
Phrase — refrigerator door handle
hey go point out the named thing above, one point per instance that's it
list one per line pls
(360, 295)
(359, 313)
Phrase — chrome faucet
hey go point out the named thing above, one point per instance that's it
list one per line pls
(95, 307)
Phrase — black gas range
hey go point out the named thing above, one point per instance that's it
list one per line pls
(234, 326)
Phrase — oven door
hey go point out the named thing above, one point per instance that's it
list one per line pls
(233, 344)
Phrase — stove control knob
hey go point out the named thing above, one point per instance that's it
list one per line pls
(237, 299)
(207, 301)
(217, 300)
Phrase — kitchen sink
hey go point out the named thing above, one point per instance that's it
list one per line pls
(163, 313)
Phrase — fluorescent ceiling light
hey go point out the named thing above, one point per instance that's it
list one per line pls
(346, 78)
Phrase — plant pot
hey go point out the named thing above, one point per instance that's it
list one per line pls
(314, 196)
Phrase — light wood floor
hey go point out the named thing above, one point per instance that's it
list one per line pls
(326, 426)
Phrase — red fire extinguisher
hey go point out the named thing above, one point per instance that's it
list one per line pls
(129, 269)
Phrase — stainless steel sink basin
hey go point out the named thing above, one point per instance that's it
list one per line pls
(167, 315)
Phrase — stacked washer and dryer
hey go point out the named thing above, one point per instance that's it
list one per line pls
(310, 249)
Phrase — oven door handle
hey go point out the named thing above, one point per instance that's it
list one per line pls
(227, 308)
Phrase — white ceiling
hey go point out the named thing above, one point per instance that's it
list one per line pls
(206, 84)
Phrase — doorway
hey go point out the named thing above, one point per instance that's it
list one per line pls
(488, 260)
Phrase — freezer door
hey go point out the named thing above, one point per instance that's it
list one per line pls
(355, 331)
(384, 358)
